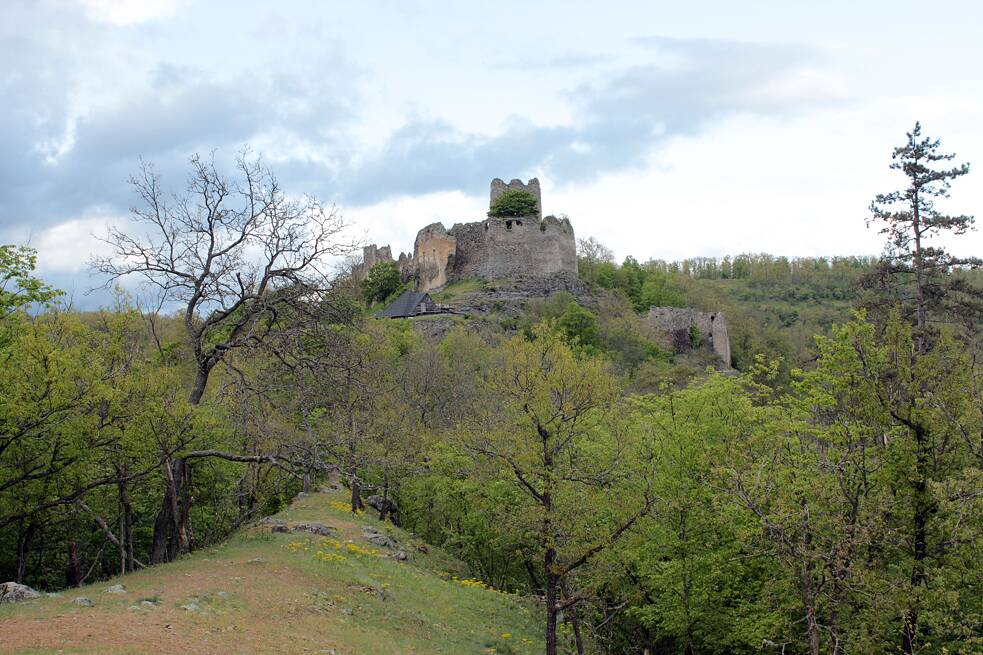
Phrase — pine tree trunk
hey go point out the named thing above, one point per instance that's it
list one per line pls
(920, 519)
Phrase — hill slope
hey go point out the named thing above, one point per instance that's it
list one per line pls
(285, 592)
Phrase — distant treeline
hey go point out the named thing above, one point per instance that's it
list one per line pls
(766, 267)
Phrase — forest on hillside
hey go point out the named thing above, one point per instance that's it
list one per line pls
(823, 499)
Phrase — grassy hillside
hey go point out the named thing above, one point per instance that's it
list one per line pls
(266, 592)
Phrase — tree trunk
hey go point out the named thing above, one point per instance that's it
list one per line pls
(171, 534)
(552, 583)
(73, 574)
(24, 544)
(357, 504)
(919, 544)
(201, 379)
(384, 506)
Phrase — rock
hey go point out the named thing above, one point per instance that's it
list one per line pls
(399, 556)
(83, 601)
(269, 520)
(13, 592)
(315, 528)
(379, 539)
(347, 611)
(116, 589)
(281, 528)
(224, 595)
(148, 603)
(191, 607)
(377, 503)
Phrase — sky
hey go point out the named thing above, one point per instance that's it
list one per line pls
(664, 129)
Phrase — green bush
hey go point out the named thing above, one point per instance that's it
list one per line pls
(514, 203)
(382, 281)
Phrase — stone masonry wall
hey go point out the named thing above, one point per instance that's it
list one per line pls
(433, 255)
(492, 249)
(675, 322)
(500, 248)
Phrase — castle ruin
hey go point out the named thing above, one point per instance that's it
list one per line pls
(529, 256)
(492, 249)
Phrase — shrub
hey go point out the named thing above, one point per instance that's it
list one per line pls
(514, 203)
(382, 281)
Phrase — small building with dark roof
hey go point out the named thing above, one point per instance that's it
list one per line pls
(411, 303)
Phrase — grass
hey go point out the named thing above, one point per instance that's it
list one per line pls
(457, 289)
(265, 592)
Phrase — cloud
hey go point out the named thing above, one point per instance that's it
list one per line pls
(620, 117)
(73, 129)
(130, 12)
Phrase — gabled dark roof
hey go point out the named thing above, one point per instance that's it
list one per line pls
(403, 306)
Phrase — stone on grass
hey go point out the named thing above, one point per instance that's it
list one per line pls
(148, 603)
(379, 539)
(269, 520)
(399, 556)
(83, 601)
(116, 589)
(315, 528)
(191, 607)
(14, 592)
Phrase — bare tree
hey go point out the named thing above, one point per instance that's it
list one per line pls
(234, 254)
(230, 253)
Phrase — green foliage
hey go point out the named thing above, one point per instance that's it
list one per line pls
(382, 282)
(18, 286)
(695, 338)
(514, 203)
(580, 327)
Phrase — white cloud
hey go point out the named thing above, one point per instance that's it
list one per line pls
(130, 12)
(68, 246)
(396, 221)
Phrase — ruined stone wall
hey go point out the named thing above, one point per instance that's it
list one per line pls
(675, 322)
(492, 249)
(433, 255)
(498, 187)
(499, 248)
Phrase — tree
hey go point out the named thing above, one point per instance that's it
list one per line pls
(231, 253)
(234, 255)
(514, 203)
(590, 254)
(18, 286)
(382, 281)
(582, 478)
(910, 220)
(926, 284)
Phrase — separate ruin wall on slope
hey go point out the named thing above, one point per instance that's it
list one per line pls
(675, 324)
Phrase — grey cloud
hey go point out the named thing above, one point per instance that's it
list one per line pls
(620, 119)
(170, 112)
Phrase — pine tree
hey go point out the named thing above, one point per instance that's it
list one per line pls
(924, 277)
